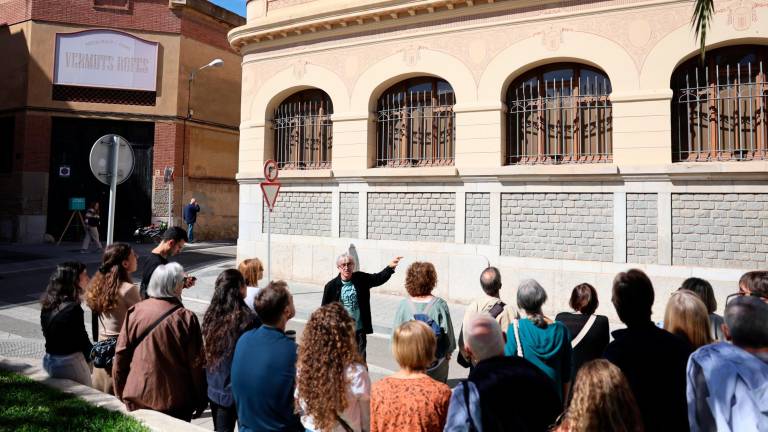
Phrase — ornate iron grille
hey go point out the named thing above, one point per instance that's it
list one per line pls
(303, 134)
(416, 128)
(560, 121)
(719, 113)
(103, 95)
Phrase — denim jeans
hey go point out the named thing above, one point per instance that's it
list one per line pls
(191, 232)
(224, 418)
(72, 367)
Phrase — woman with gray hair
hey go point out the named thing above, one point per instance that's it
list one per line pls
(158, 361)
(539, 339)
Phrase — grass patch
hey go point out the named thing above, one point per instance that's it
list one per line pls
(26, 405)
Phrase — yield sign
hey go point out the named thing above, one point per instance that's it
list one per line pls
(270, 191)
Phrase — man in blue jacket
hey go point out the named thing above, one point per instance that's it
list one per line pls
(264, 366)
(190, 217)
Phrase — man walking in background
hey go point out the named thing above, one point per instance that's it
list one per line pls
(190, 217)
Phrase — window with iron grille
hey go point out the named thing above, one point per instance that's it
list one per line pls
(719, 107)
(560, 113)
(416, 124)
(304, 131)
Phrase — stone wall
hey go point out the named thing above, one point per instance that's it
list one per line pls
(575, 226)
(418, 216)
(301, 213)
(478, 218)
(642, 228)
(720, 230)
(348, 212)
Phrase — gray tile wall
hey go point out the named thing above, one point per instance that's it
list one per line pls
(301, 213)
(642, 228)
(412, 216)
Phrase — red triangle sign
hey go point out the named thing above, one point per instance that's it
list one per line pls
(270, 191)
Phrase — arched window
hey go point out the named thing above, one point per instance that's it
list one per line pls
(560, 113)
(304, 131)
(719, 107)
(416, 124)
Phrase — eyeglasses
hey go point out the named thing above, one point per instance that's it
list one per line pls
(740, 294)
(347, 265)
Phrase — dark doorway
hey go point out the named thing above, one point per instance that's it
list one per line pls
(71, 142)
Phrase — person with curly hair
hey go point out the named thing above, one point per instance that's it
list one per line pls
(110, 295)
(253, 271)
(333, 389)
(420, 281)
(602, 401)
(67, 347)
(409, 400)
(226, 319)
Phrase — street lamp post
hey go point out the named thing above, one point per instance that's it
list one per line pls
(214, 63)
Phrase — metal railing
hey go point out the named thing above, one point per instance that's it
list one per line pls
(560, 121)
(720, 114)
(416, 129)
(303, 135)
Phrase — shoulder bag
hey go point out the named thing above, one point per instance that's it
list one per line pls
(584, 331)
(515, 326)
(132, 347)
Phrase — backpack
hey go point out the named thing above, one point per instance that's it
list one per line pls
(440, 334)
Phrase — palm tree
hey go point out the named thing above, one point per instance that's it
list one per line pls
(703, 10)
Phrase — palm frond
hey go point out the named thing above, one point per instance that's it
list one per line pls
(703, 10)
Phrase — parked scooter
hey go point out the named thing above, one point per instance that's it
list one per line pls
(151, 233)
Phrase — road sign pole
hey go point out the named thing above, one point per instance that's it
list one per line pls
(113, 189)
(269, 246)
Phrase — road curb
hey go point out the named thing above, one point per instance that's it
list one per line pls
(155, 421)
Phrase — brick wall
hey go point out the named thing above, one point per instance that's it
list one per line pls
(206, 30)
(301, 213)
(411, 216)
(34, 132)
(151, 15)
(348, 213)
(642, 228)
(557, 226)
(720, 230)
(478, 218)
(167, 151)
(15, 11)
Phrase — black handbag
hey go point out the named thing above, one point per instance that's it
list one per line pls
(103, 352)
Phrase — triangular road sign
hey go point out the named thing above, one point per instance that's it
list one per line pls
(270, 191)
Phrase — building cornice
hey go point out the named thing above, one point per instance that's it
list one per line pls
(321, 21)
(305, 24)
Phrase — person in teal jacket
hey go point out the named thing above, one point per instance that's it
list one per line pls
(543, 342)
(420, 281)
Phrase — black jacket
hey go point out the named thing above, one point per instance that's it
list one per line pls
(64, 330)
(515, 395)
(363, 283)
(654, 362)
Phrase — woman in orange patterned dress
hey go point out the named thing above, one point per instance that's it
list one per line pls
(410, 400)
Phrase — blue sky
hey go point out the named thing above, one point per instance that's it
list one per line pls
(236, 6)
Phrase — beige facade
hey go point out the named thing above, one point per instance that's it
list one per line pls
(354, 51)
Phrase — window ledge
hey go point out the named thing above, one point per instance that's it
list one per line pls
(374, 173)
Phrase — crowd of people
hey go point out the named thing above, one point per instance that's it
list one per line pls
(695, 371)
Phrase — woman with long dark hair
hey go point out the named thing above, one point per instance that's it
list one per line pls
(67, 346)
(110, 295)
(333, 388)
(226, 319)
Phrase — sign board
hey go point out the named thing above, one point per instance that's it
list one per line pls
(77, 203)
(105, 59)
(168, 175)
(101, 160)
(270, 170)
(270, 191)
(65, 171)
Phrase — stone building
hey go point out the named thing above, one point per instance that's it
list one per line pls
(559, 140)
(79, 69)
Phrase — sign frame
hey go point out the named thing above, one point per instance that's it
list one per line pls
(271, 171)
